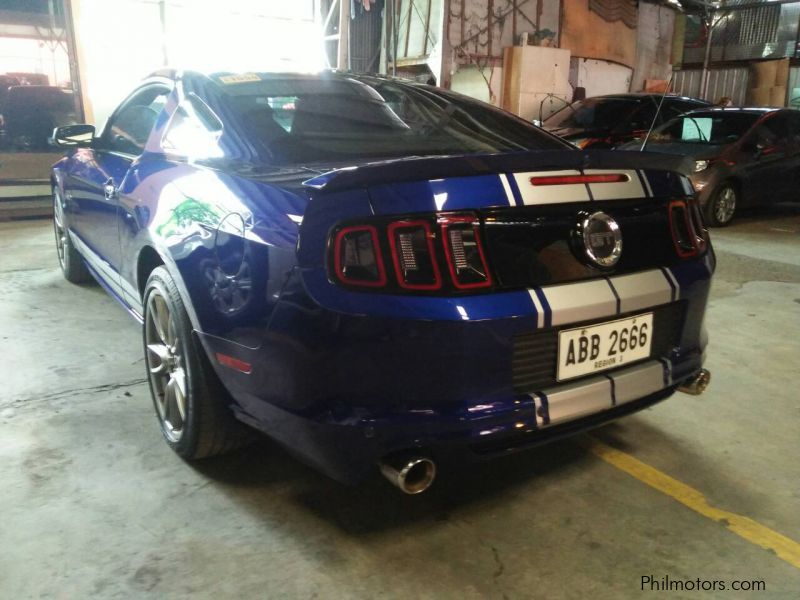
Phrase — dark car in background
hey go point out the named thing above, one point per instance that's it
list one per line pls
(608, 121)
(6, 81)
(742, 156)
(29, 113)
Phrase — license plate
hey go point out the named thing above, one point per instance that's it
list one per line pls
(585, 350)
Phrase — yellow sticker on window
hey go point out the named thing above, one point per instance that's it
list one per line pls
(239, 78)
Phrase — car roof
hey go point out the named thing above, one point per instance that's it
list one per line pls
(756, 110)
(639, 95)
(176, 74)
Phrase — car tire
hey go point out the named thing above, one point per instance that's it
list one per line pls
(192, 407)
(70, 261)
(721, 206)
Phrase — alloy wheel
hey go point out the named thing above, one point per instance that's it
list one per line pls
(725, 204)
(58, 226)
(165, 365)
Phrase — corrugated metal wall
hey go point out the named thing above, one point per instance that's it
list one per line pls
(366, 31)
(768, 31)
(794, 87)
(730, 82)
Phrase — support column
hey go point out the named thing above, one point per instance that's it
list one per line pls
(343, 59)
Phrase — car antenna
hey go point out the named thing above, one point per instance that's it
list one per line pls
(550, 96)
(658, 111)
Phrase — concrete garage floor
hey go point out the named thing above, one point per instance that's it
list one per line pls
(93, 504)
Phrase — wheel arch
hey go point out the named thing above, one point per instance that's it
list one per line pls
(147, 261)
(736, 182)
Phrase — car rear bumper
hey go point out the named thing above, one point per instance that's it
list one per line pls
(348, 449)
(344, 391)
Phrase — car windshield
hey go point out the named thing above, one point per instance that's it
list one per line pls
(592, 113)
(711, 128)
(312, 119)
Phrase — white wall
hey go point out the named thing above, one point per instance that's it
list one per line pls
(469, 81)
(482, 50)
(475, 16)
(121, 42)
(599, 77)
(653, 45)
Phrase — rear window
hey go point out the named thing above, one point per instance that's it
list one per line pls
(592, 113)
(713, 128)
(316, 119)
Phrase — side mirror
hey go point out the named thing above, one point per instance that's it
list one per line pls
(73, 136)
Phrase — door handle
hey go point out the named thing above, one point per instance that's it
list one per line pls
(110, 190)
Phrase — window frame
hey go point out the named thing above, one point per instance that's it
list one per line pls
(176, 153)
(104, 140)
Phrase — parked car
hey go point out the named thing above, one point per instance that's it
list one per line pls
(742, 156)
(31, 112)
(377, 272)
(608, 121)
(25, 78)
(6, 81)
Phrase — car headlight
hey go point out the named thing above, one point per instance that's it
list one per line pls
(700, 165)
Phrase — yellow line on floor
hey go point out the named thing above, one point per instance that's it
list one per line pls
(754, 532)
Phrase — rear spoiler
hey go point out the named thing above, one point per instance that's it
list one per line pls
(427, 167)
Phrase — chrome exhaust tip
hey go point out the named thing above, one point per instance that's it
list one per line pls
(412, 474)
(698, 385)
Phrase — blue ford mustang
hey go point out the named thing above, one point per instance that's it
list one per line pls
(376, 272)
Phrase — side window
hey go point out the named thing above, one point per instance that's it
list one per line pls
(643, 117)
(193, 131)
(283, 110)
(794, 123)
(129, 129)
(774, 131)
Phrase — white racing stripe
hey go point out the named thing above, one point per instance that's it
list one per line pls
(647, 187)
(110, 276)
(583, 301)
(575, 400)
(671, 277)
(550, 194)
(578, 192)
(570, 401)
(539, 309)
(539, 410)
(587, 300)
(507, 188)
(616, 191)
(642, 290)
(638, 381)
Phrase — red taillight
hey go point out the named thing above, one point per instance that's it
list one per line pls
(362, 255)
(464, 252)
(413, 255)
(573, 179)
(689, 234)
(700, 229)
(357, 257)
